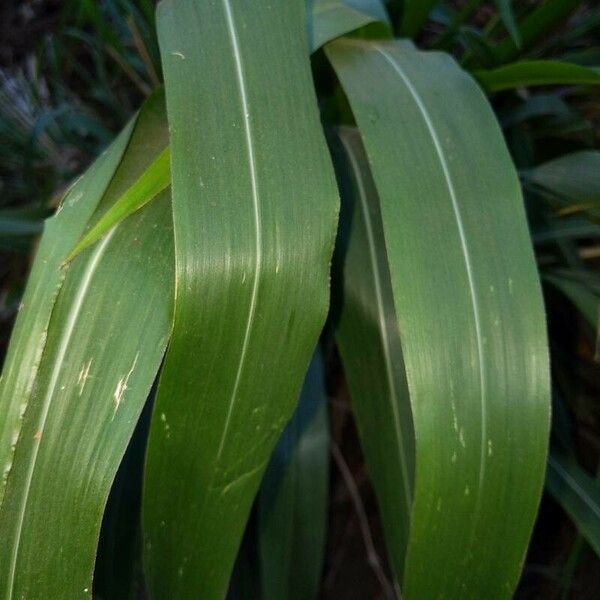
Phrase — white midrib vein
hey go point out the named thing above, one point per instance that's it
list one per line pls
(465, 250)
(257, 223)
(56, 369)
(383, 330)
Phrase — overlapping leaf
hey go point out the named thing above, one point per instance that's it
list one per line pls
(469, 316)
(254, 208)
(97, 359)
(292, 506)
(328, 19)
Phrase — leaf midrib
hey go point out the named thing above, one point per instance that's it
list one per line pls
(58, 362)
(465, 251)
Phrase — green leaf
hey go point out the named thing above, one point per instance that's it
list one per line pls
(292, 507)
(508, 18)
(30, 331)
(254, 209)
(25, 221)
(370, 348)
(329, 19)
(469, 316)
(574, 176)
(477, 45)
(152, 181)
(577, 493)
(535, 27)
(536, 72)
(414, 16)
(102, 352)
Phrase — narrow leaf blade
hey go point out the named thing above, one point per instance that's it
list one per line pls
(536, 72)
(153, 181)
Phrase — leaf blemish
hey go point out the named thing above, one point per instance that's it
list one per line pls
(84, 375)
(122, 386)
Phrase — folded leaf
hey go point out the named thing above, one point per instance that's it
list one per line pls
(329, 19)
(30, 331)
(469, 317)
(104, 344)
(367, 336)
(254, 211)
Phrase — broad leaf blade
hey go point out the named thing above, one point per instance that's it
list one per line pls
(101, 356)
(469, 311)
(254, 207)
(292, 507)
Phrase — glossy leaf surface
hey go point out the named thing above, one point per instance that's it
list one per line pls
(153, 181)
(469, 316)
(369, 343)
(30, 330)
(254, 209)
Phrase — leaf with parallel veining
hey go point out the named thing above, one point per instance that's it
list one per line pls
(30, 330)
(469, 316)
(254, 207)
(102, 353)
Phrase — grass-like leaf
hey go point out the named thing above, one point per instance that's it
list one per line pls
(536, 72)
(30, 330)
(469, 317)
(102, 350)
(577, 493)
(254, 209)
(153, 181)
(329, 19)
